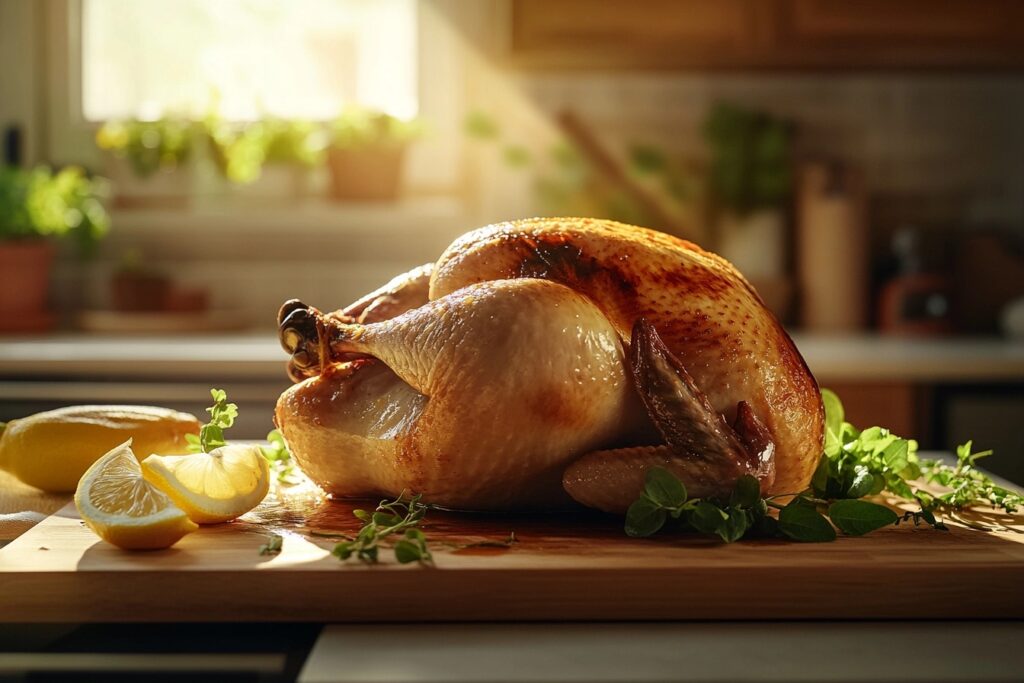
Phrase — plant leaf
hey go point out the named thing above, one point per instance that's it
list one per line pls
(858, 517)
(664, 488)
(804, 523)
(644, 518)
(734, 526)
(407, 551)
(707, 518)
(834, 416)
(747, 492)
(862, 484)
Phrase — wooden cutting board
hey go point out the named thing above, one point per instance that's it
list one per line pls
(560, 568)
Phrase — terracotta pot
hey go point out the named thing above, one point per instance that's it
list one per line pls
(367, 173)
(26, 266)
(132, 291)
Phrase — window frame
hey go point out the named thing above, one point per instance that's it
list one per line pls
(434, 165)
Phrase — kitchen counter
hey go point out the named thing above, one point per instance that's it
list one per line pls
(258, 357)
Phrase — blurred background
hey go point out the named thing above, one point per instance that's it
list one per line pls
(174, 171)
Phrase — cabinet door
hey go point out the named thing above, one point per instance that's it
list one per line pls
(897, 406)
(641, 33)
(900, 33)
(767, 34)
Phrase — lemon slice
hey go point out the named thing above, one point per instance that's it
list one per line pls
(212, 487)
(124, 509)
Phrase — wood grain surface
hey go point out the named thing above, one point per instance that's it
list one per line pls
(562, 567)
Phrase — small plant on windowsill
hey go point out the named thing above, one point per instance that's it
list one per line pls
(151, 161)
(244, 152)
(149, 146)
(173, 159)
(367, 154)
(37, 206)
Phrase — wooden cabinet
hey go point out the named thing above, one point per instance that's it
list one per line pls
(760, 34)
(902, 407)
(584, 33)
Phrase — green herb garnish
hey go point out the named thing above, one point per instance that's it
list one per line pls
(273, 545)
(211, 435)
(855, 464)
(280, 457)
(397, 517)
(967, 485)
(859, 463)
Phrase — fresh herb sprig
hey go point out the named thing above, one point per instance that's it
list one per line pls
(398, 517)
(967, 485)
(861, 463)
(854, 464)
(273, 545)
(211, 434)
(746, 513)
(280, 457)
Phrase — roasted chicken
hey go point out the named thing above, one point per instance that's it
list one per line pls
(550, 360)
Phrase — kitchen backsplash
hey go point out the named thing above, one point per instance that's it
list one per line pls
(912, 134)
(254, 258)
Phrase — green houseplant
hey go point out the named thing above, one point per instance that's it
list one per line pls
(750, 184)
(177, 158)
(149, 146)
(35, 206)
(151, 161)
(367, 153)
(283, 150)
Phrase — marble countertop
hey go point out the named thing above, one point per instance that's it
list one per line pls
(257, 356)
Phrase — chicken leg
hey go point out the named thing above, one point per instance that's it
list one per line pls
(402, 293)
(477, 400)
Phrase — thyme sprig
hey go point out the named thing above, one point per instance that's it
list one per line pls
(211, 434)
(397, 517)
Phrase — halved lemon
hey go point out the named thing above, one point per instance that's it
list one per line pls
(124, 509)
(212, 487)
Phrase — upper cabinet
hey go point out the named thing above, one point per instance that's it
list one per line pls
(760, 34)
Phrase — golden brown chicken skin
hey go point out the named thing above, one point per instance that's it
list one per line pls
(713, 386)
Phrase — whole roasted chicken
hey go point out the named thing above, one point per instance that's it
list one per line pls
(549, 360)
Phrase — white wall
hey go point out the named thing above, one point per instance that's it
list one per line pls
(19, 72)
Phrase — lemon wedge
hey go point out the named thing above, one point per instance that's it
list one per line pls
(124, 509)
(212, 487)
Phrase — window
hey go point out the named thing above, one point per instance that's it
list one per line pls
(247, 59)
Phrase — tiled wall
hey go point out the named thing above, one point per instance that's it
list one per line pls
(252, 259)
(912, 134)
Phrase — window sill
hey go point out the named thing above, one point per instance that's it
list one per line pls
(313, 215)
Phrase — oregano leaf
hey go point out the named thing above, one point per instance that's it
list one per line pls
(803, 523)
(644, 518)
(663, 488)
(859, 517)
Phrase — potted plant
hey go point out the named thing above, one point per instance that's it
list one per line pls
(367, 153)
(750, 180)
(135, 287)
(150, 162)
(272, 157)
(35, 206)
